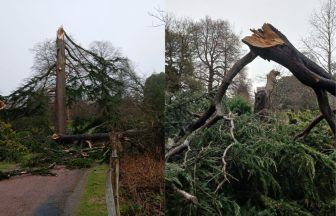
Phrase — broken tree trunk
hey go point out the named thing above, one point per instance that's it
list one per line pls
(260, 100)
(270, 84)
(92, 137)
(80, 137)
(263, 95)
(60, 114)
(271, 44)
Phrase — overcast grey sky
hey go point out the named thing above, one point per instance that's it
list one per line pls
(126, 24)
(289, 16)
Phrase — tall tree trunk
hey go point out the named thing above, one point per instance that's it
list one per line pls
(211, 79)
(60, 111)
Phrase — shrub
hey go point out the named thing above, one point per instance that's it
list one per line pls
(269, 173)
(10, 147)
(239, 105)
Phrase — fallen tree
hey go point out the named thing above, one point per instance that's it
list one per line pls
(64, 138)
(269, 44)
(240, 165)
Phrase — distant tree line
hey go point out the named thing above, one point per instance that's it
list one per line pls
(199, 54)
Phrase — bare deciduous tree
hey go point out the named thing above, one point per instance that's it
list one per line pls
(217, 47)
(321, 44)
(241, 85)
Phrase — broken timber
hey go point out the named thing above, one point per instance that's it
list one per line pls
(271, 44)
(63, 138)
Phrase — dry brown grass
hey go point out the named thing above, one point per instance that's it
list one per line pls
(142, 185)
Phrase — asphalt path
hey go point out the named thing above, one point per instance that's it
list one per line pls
(42, 195)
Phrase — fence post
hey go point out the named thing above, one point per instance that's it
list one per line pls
(114, 166)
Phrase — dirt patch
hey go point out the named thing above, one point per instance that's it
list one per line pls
(40, 195)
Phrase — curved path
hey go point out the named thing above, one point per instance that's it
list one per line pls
(42, 195)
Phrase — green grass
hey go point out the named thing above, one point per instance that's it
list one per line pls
(5, 166)
(92, 202)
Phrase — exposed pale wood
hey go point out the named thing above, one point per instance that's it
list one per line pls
(187, 196)
(264, 37)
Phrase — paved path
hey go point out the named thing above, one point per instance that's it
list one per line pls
(42, 195)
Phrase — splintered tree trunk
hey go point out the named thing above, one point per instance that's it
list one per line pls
(60, 112)
(260, 101)
(270, 84)
(263, 95)
(271, 44)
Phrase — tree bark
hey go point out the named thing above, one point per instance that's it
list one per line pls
(231, 74)
(260, 101)
(63, 138)
(323, 102)
(60, 111)
(263, 96)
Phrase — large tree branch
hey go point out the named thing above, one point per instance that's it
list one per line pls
(214, 112)
(306, 131)
(271, 44)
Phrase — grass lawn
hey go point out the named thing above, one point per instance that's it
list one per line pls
(5, 166)
(92, 202)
